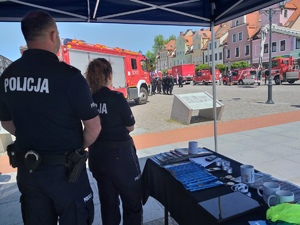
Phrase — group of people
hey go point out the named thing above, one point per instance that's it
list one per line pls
(59, 120)
(163, 85)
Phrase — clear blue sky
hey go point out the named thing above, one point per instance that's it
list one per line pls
(130, 37)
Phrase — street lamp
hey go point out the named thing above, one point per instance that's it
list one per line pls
(270, 12)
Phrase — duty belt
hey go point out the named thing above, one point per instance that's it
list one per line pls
(45, 159)
(75, 160)
(32, 159)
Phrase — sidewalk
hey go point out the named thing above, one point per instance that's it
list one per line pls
(270, 143)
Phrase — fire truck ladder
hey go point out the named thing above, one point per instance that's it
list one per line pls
(284, 30)
(277, 29)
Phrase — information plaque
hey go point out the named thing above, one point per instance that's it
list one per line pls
(184, 105)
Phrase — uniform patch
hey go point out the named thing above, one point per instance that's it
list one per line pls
(26, 84)
(102, 108)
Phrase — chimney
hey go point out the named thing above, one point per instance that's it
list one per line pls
(181, 33)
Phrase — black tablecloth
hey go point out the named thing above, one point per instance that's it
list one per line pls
(183, 205)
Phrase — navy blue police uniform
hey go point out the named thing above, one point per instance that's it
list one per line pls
(113, 160)
(46, 100)
(164, 84)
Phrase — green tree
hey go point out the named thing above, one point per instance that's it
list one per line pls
(172, 37)
(244, 64)
(159, 42)
(202, 67)
(221, 67)
(241, 64)
(151, 58)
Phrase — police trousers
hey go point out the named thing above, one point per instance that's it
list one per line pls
(118, 175)
(47, 197)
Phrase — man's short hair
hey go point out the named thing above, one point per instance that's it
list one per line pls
(35, 23)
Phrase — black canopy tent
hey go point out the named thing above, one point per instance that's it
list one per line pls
(202, 13)
(155, 12)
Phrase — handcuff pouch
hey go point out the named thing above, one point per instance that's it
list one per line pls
(32, 160)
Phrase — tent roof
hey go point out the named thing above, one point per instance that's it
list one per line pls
(155, 12)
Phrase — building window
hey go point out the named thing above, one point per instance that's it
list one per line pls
(266, 48)
(236, 23)
(240, 36)
(206, 58)
(274, 46)
(210, 58)
(234, 38)
(216, 56)
(285, 13)
(282, 45)
(247, 50)
(209, 45)
(237, 52)
(228, 53)
(297, 43)
(220, 56)
(215, 44)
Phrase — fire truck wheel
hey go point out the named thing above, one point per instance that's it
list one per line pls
(224, 82)
(291, 81)
(277, 80)
(241, 82)
(143, 97)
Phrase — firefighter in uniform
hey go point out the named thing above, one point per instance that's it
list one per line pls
(43, 102)
(113, 160)
(164, 84)
(171, 84)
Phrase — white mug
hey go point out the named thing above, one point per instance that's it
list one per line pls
(247, 174)
(193, 147)
(282, 196)
(268, 188)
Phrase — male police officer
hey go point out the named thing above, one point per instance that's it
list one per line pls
(43, 103)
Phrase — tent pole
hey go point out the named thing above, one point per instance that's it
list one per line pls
(214, 81)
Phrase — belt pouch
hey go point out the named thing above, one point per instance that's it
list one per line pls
(32, 160)
(77, 160)
(12, 155)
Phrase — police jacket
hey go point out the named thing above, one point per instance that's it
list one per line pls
(115, 115)
(46, 99)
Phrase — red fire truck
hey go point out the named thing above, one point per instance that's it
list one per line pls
(285, 70)
(205, 76)
(129, 77)
(241, 76)
(187, 71)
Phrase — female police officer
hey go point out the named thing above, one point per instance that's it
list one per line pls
(113, 160)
